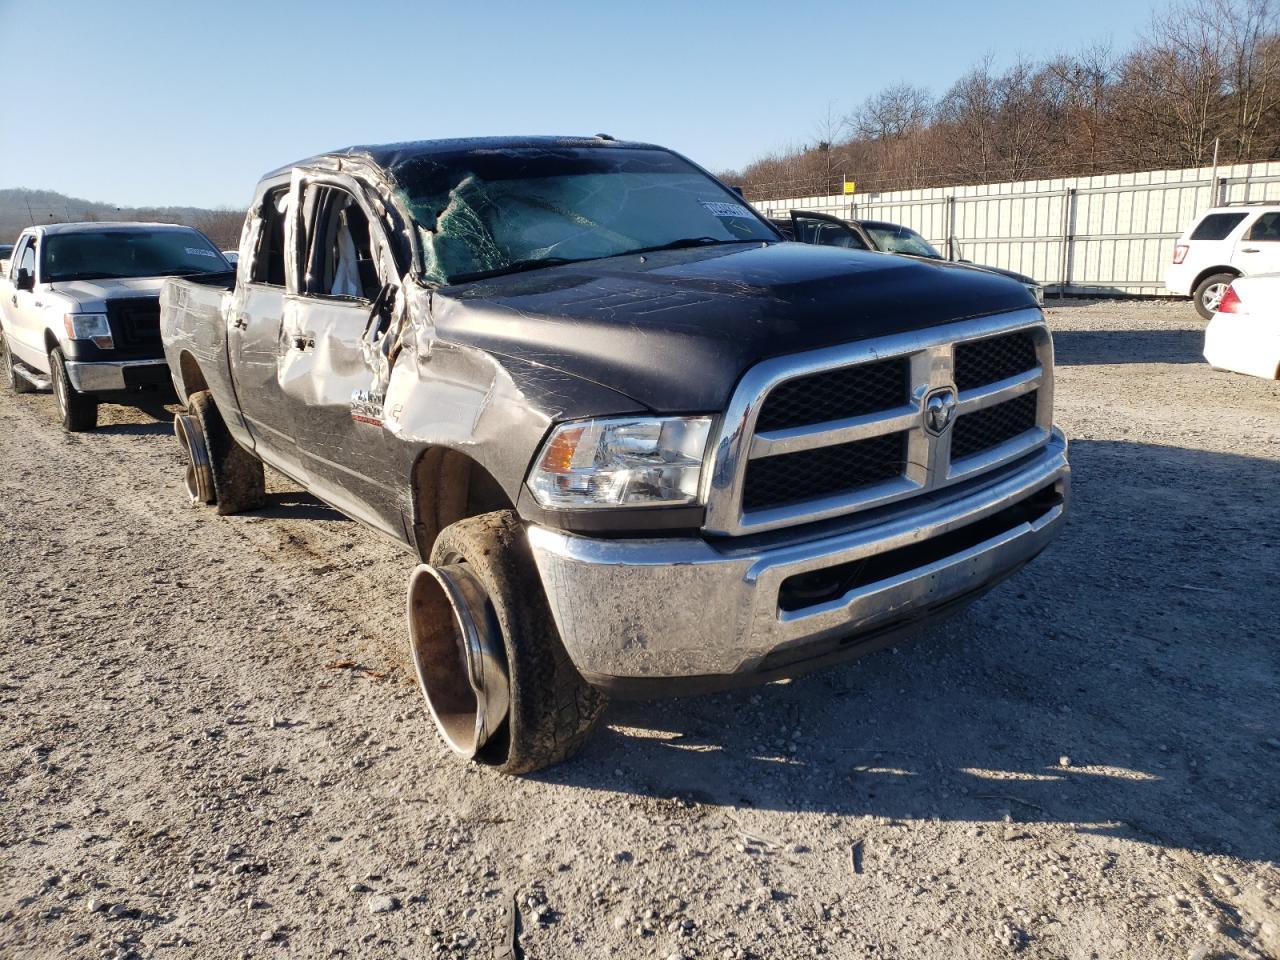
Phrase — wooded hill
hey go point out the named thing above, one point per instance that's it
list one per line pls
(1204, 70)
(20, 208)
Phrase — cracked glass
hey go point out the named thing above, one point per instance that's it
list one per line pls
(483, 213)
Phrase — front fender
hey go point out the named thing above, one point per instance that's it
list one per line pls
(494, 409)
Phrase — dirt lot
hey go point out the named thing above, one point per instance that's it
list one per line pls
(210, 747)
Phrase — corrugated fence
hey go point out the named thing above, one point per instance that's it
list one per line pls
(1110, 234)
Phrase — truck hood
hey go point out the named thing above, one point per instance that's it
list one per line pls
(676, 330)
(92, 295)
(1011, 274)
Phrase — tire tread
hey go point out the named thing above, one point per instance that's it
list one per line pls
(553, 710)
(239, 481)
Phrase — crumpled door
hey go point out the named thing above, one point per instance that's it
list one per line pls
(333, 370)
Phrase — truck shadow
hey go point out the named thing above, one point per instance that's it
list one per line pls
(160, 424)
(156, 429)
(1108, 347)
(1126, 682)
(296, 505)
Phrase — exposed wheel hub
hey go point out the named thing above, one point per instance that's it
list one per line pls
(458, 654)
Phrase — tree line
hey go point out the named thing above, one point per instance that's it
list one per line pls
(1204, 72)
(20, 208)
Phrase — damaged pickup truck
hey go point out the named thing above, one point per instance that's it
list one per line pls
(639, 445)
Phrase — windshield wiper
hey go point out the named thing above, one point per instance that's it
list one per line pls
(684, 242)
(90, 275)
(516, 266)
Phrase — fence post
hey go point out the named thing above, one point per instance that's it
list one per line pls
(1064, 252)
(951, 227)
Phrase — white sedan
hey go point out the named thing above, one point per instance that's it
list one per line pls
(1244, 335)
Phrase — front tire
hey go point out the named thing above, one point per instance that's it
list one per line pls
(1209, 293)
(79, 411)
(552, 709)
(239, 482)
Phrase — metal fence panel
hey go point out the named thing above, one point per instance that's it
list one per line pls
(1112, 233)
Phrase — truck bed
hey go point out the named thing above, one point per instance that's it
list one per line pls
(193, 321)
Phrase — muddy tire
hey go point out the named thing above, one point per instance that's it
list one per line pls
(552, 708)
(78, 411)
(1209, 293)
(16, 383)
(239, 483)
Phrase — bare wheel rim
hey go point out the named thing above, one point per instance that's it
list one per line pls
(458, 654)
(198, 476)
(1213, 295)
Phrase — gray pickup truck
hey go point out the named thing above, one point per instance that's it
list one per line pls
(639, 445)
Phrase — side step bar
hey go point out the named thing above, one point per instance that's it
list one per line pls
(37, 380)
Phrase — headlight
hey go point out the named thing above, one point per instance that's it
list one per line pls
(627, 462)
(89, 326)
(1036, 291)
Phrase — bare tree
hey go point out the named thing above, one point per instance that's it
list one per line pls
(1203, 70)
(893, 113)
(1087, 81)
(829, 129)
(968, 111)
(1252, 65)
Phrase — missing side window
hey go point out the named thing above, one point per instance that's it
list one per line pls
(268, 263)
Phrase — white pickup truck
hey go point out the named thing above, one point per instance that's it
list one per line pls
(80, 310)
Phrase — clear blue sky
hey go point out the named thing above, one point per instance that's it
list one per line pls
(180, 102)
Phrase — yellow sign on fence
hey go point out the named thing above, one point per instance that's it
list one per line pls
(849, 186)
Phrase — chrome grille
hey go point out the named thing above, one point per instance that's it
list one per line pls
(830, 432)
(993, 359)
(837, 394)
(976, 432)
(796, 477)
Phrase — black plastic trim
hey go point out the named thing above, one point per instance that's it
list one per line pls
(614, 522)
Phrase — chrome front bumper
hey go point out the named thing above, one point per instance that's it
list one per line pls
(105, 375)
(636, 613)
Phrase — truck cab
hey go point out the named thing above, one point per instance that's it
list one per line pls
(636, 444)
(80, 311)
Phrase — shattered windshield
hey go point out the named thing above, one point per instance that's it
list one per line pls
(480, 213)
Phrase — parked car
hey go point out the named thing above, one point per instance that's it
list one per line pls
(1221, 244)
(232, 256)
(1244, 334)
(637, 445)
(805, 226)
(6, 251)
(79, 310)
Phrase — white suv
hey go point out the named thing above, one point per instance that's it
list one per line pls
(1221, 244)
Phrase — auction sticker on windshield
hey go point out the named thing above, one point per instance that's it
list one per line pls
(719, 209)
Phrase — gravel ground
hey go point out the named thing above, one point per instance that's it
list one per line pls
(211, 747)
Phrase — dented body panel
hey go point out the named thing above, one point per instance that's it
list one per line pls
(348, 356)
